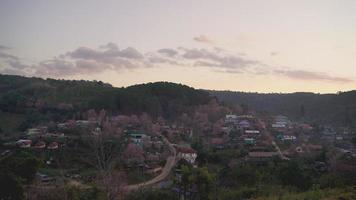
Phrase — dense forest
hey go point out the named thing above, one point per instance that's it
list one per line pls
(338, 109)
(32, 100)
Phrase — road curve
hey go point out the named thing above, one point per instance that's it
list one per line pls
(281, 155)
(171, 161)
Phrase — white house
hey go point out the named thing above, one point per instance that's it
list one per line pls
(187, 154)
(252, 131)
(231, 119)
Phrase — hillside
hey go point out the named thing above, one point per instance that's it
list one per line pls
(28, 101)
(337, 108)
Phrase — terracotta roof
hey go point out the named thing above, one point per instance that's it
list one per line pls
(53, 145)
(40, 144)
(262, 154)
(217, 141)
(185, 150)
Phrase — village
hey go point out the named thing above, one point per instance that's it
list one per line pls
(151, 151)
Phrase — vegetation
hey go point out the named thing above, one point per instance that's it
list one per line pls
(25, 102)
(337, 109)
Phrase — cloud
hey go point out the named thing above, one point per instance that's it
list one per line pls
(110, 45)
(108, 54)
(216, 58)
(2, 47)
(203, 39)
(309, 75)
(88, 61)
(168, 52)
(274, 53)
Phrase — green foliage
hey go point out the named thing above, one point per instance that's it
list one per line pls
(199, 179)
(40, 100)
(23, 165)
(337, 109)
(243, 193)
(291, 173)
(152, 195)
(11, 188)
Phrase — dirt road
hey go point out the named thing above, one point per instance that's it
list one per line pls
(171, 161)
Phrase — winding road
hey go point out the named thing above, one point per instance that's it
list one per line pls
(171, 161)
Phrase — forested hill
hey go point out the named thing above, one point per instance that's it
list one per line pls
(50, 97)
(337, 108)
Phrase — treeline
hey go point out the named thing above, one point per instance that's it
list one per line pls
(338, 109)
(51, 99)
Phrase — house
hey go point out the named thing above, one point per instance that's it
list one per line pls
(187, 153)
(244, 124)
(249, 141)
(153, 158)
(54, 135)
(299, 149)
(328, 131)
(86, 123)
(278, 125)
(339, 138)
(218, 143)
(62, 125)
(53, 145)
(24, 143)
(34, 132)
(231, 119)
(261, 155)
(44, 177)
(289, 138)
(226, 129)
(256, 132)
(40, 145)
(136, 137)
(280, 121)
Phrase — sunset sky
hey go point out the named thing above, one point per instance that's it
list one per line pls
(240, 45)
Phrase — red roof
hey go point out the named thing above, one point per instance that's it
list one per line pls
(40, 145)
(185, 150)
(53, 145)
(217, 141)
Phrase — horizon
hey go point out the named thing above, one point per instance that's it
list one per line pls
(162, 81)
(264, 47)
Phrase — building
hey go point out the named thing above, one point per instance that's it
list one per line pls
(34, 132)
(250, 141)
(24, 143)
(261, 155)
(53, 145)
(244, 124)
(136, 137)
(218, 143)
(231, 119)
(256, 132)
(280, 121)
(40, 145)
(187, 153)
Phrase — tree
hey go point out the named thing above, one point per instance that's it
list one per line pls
(22, 165)
(195, 178)
(302, 111)
(204, 182)
(292, 174)
(11, 188)
(104, 156)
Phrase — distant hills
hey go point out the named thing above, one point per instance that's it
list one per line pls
(335, 109)
(35, 99)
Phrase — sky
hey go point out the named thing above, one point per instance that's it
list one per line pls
(239, 45)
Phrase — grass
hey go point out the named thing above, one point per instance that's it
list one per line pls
(315, 194)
